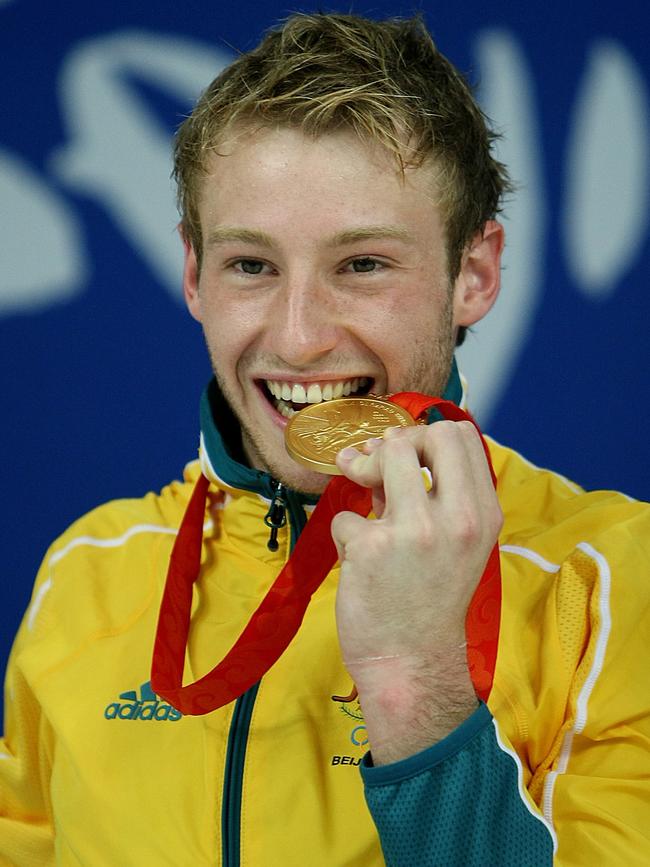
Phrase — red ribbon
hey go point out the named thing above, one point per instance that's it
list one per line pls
(279, 615)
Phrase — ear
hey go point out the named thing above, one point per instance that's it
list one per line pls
(478, 283)
(190, 277)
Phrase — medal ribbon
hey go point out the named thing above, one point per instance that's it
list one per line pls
(278, 617)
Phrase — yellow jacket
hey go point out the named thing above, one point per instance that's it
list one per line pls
(96, 770)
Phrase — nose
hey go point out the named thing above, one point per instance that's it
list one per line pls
(305, 326)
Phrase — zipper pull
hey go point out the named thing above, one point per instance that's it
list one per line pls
(276, 516)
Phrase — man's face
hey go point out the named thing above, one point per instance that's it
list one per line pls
(324, 273)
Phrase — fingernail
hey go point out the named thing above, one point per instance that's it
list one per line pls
(391, 431)
(348, 453)
(372, 444)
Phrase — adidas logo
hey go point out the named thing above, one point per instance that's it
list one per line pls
(147, 707)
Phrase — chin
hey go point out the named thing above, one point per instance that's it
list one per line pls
(285, 469)
(301, 479)
(313, 488)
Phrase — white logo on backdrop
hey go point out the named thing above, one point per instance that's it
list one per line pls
(488, 355)
(43, 258)
(607, 172)
(117, 154)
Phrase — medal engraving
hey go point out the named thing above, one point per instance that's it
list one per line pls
(316, 434)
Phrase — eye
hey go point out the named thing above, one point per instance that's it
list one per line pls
(364, 265)
(249, 266)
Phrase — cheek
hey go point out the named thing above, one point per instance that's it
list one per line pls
(415, 344)
(230, 330)
(395, 329)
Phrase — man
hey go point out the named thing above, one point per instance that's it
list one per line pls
(339, 205)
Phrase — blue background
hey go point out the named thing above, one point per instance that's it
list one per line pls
(102, 368)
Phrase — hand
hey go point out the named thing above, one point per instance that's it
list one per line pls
(407, 579)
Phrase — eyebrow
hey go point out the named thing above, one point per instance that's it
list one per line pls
(237, 234)
(228, 234)
(370, 233)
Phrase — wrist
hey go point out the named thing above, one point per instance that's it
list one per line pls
(409, 703)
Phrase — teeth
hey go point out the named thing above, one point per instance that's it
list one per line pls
(286, 393)
(286, 410)
(314, 394)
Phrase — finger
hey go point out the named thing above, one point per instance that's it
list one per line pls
(368, 472)
(372, 445)
(463, 483)
(454, 455)
(346, 457)
(363, 469)
(451, 454)
(483, 484)
(476, 451)
(456, 451)
(444, 449)
(407, 478)
(404, 487)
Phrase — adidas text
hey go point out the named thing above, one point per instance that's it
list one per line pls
(151, 710)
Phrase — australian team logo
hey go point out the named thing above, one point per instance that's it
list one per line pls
(146, 706)
(349, 705)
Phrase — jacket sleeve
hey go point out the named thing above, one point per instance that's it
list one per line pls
(26, 838)
(459, 802)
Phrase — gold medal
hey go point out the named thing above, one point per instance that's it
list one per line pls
(317, 433)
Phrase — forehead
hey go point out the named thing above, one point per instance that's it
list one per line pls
(263, 167)
(285, 147)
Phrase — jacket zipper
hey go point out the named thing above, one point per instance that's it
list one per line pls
(233, 777)
(276, 517)
(282, 501)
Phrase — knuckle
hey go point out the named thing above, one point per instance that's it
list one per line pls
(468, 529)
(467, 429)
(419, 532)
(393, 450)
(474, 527)
(398, 441)
(442, 428)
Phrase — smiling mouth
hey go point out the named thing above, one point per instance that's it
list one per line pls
(290, 397)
